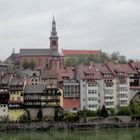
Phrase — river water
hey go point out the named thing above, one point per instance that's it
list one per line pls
(114, 134)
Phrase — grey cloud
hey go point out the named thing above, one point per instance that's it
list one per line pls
(110, 25)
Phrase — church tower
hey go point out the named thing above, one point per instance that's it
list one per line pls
(54, 37)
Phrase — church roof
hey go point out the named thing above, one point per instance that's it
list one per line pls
(14, 57)
(38, 52)
(80, 52)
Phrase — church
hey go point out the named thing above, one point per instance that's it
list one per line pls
(47, 58)
(44, 58)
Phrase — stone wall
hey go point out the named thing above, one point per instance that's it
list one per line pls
(47, 112)
(44, 126)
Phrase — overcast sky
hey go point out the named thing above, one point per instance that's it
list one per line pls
(109, 25)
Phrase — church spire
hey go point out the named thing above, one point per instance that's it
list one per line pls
(53, 32)
(54, 37)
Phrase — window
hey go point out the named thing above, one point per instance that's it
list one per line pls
(89, 106)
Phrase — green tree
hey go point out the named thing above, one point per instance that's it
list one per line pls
(114, 56)
(98, 112)
(32, 64)
(86, 59)
(122, 59)
(125, 111)
(25, 64)
(40, 115)
(112, 111)
(104, 112)
(71, 117)
(135, 106)
(56, 117)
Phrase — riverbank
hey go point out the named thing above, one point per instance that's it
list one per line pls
(44, 126)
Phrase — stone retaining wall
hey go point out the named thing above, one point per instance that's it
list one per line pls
(64, 126)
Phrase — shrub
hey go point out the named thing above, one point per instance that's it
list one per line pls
(125, 111)
(40, 115)
(104, 112)
(71, 117)
(23, 118)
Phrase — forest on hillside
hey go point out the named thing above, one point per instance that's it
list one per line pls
(104, 57)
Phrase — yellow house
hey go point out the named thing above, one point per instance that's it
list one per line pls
(15, 114)
(16, 99)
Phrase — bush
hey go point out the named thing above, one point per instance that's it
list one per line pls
(40, 115)
(71, 117)
(23, 119)
(87, 113)
(125, 111)
(98, 112)
(104, 112)
(135, 107)
(112, 111)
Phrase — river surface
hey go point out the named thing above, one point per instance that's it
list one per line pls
(115, 134)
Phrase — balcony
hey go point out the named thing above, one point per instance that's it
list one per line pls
(15, 102)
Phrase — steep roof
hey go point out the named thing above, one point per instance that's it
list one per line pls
(93, 71)
(34, 88)
(38, 52)
(17, 82)
(50, 74)
(128, 69)
(13, 57)
(68, 72)
(80, 52)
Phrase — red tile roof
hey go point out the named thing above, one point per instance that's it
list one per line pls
(128, 69)
(50, 74)
(80, 52)
(68, 72)
(85, 70)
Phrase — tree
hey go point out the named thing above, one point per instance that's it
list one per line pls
(71, 117)
(135, 106)
(32, 64)
(28, 64)
(125, 111)
(40, 115)
(112, 111)
(104, 112)
(56, 117)
(114, 56)
(25, 64)
(98, 112)
(122, 59)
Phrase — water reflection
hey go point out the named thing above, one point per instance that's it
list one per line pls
(115, 134)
